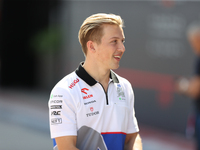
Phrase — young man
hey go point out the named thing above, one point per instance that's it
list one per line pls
(92, 108)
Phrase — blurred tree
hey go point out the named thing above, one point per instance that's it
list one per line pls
(21, 20)
(46, 41)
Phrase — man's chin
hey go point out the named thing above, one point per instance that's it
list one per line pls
(115, 67)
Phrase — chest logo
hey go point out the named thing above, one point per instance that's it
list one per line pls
(93, 113)
(74, 83)
(120, 91)
(83, 90)
(91, 109)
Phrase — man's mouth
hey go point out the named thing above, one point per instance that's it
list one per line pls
(117, 58)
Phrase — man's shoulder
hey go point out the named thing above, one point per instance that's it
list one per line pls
(67, 88)
(122, 79)
(67, 81)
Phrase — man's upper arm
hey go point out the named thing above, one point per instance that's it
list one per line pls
(66, 142)
(133, 142)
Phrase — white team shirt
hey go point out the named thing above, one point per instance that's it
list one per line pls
(79, 106)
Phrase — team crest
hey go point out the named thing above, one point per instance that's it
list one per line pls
(120, 91)
(91, 109)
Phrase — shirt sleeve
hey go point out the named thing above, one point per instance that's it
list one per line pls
(132, 124)
(62, 116)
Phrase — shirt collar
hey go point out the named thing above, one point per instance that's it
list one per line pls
(81, 72)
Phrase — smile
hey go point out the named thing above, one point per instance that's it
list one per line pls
(117, 57)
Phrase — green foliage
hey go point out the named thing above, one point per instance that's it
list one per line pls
(47, 41)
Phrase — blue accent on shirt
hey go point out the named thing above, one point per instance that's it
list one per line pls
(114, 141)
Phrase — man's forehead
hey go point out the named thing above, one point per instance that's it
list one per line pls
(113, 29)
(114, 26)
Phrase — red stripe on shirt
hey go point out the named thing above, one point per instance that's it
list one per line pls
(113, 133)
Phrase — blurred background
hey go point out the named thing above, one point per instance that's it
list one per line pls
(39, 46)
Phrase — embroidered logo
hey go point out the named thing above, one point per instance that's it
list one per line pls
(55, 121)
(94, 101)
(74, 83)
(91, 109)
(83, 90)
(120, 91)
(92, 113)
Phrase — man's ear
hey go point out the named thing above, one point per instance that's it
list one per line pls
(91, 46)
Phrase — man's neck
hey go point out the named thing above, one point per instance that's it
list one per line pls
(99, 73)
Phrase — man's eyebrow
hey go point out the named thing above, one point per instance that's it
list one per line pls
(117, 38)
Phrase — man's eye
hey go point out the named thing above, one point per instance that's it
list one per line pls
(115, 41)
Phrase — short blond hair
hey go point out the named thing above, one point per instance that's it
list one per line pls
(92, 29)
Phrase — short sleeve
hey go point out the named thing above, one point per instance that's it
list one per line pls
(132, 124)
(62, 114)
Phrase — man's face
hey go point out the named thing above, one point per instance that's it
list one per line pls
(109, 52)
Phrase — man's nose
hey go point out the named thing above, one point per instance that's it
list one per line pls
(121, 47)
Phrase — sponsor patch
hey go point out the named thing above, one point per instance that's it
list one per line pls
(83, 90)
(56, 121)
(88, 96)
(52, 96)
(120, 93)
(55, 113)
(56, 107)
(56, 101)
(74, 83)
(86, 103)
(92, 114)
